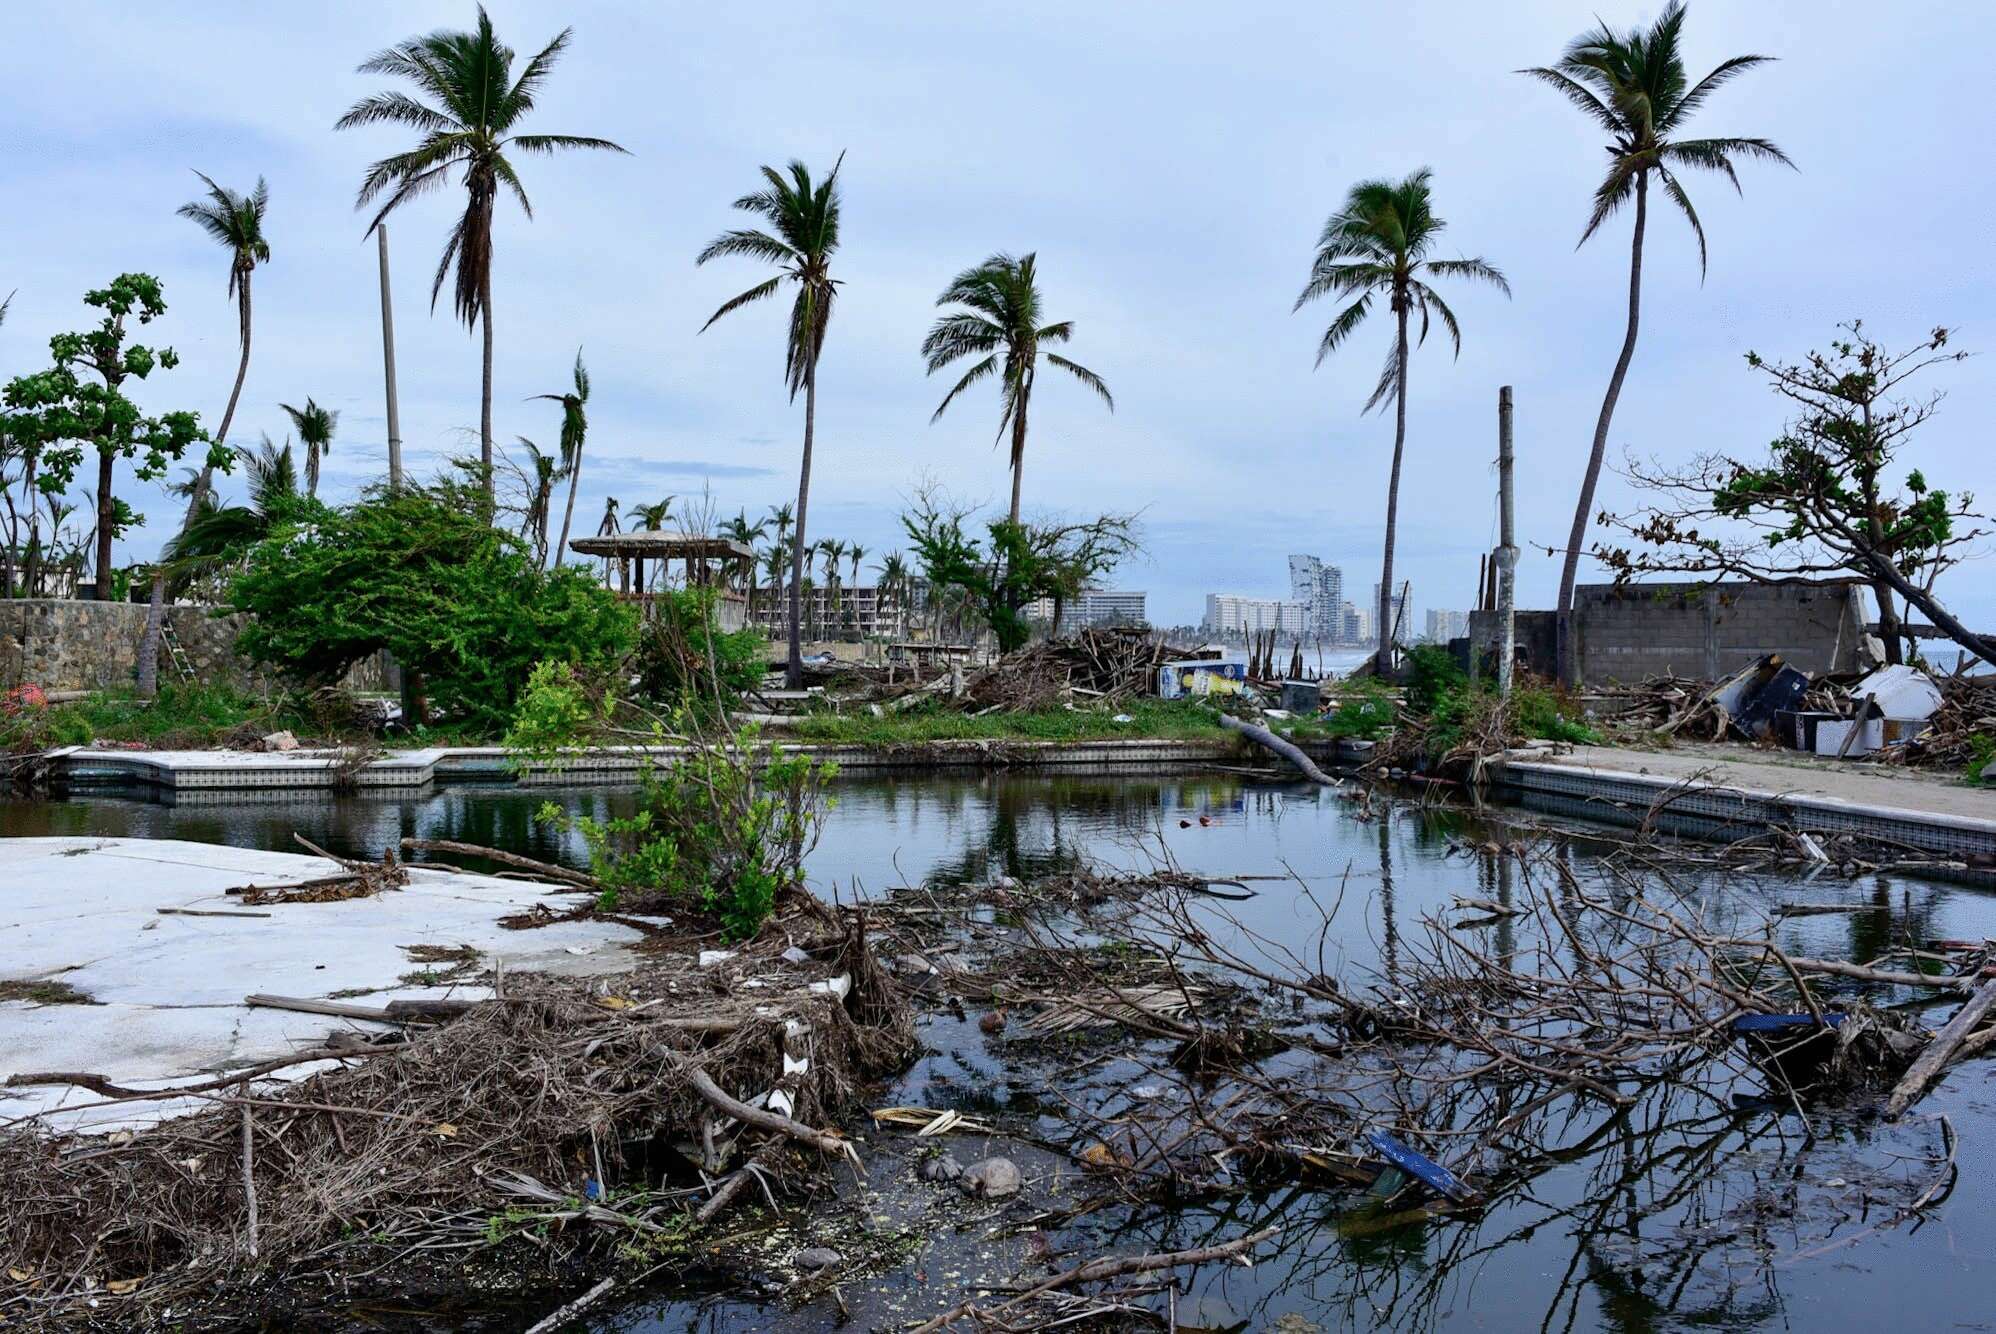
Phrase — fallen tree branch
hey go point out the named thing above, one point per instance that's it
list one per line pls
(1935, 1057)
(548, 869)
(1112, 1266)
(761, 1117)
(1261, 736)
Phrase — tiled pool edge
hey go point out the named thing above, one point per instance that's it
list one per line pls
(243, 771)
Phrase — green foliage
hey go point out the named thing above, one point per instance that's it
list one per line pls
(1542, 712)
(686, 661)
(420, 571)
(183, 715)
(1432, 677)
(1365, 713)
(79, 402)
(1149, 718)
(722, 827)
(1023, 562)
(556, 713)
(1982, 750)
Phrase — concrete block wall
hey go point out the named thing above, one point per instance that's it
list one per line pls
(1699, 631)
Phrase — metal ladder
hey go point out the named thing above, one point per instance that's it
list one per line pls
(178, 655)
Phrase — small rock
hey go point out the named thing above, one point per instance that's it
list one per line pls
(992, 1179)
(708, 958)
(941, 1168)
(280, 741)
(812, 1259)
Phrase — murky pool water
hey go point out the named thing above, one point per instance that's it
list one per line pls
(1683, 1216)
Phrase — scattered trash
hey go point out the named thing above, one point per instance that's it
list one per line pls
(708, 958)
(1421, 1167)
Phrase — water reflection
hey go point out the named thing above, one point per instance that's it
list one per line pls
(1679, 1211)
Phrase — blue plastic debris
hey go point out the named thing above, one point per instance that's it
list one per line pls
(592, 1188)
(1775, 1023)
(1421, 1167)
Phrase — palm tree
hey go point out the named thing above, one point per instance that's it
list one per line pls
(893, 582)
(856, 553)
(1377, 246)
(221, 534)
(830, 552)
(469, 125)
(574, 425)
(1001, 315)
(1634, 87)
(805, 220)
(739, 529)
(537, 510)
(654, 516)
(235, 222)
(775, 561)
(315, 426)
(608, 526)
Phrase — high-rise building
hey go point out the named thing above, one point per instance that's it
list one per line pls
(1321, 589)
(1092, 606)
(1446, 625)
(1402, 630)
(1235, 613)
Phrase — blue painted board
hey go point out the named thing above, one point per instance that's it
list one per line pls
(1421, 1167)
(1776, 1023)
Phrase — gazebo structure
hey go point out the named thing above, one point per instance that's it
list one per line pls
(709, 562)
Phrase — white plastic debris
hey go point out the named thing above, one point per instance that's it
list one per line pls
(1902, 694)
(840, 986)
(794, 955)
(708, 958)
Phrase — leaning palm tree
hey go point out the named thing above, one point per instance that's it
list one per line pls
(574, 425)
(1634, 87)
(804, 222)
(1376, 247)
(539, 478)
(315, 427)
(234, 221)
(469, 125)
(1001, 319)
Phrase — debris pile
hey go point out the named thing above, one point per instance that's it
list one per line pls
(1100, 665)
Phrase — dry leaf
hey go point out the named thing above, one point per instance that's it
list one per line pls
(446, 1129)
(613, 1002)
(20, 1275)
(120, 1286)
(119, 1137)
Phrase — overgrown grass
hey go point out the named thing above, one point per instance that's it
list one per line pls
(1981, 749)
(1150, 719)
(184, 716)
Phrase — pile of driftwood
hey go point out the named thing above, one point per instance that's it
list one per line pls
(1102, 665)
(1960, 731)
(544, 1129)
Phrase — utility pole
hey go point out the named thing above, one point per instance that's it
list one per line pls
(388, 364)
(1507, 549)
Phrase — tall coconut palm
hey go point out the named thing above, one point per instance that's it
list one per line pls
(315, 426)
(893, 585)
(234, 221)
(1000, 325)
(804, 220)
(468, 126)
(1633, 86)
(574, 425)
(1376, 248)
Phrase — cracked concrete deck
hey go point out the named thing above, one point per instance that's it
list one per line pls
(167, 991)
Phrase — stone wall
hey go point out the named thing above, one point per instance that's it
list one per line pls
(61, 644)
(1701, 631)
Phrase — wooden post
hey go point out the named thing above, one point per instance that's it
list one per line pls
(1507, 551)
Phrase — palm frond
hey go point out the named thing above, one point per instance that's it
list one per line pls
(756, 293)
(1086, 376)
(1675, 193)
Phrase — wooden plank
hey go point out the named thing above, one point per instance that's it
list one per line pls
(1951, 1036)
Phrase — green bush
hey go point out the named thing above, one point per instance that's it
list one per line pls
(421, 572)
(1365, 713)
(1541, 712)
(1432, 676)
(1981, 749)
(685, 660)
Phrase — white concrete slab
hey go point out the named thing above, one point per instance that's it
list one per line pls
(169, 989)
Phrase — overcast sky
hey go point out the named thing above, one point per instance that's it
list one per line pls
(1170, 162)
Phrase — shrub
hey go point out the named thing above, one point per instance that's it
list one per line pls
(686, 661)
(421, 572)
(1432, 676)
(1364, 713)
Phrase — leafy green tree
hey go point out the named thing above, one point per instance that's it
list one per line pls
(1633, 86)
(574, 426)
(1374, 249)
(1822, 500)
(468, 126)
(1000, 326)
(421, 572)
(804, 234)
(81, 403)
(315, 426)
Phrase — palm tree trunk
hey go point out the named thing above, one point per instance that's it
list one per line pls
(793, 675)
(106, 509)
(485, 388)
(568, 511)
(1018, 452)
(1383, 661)
(1567, 662)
